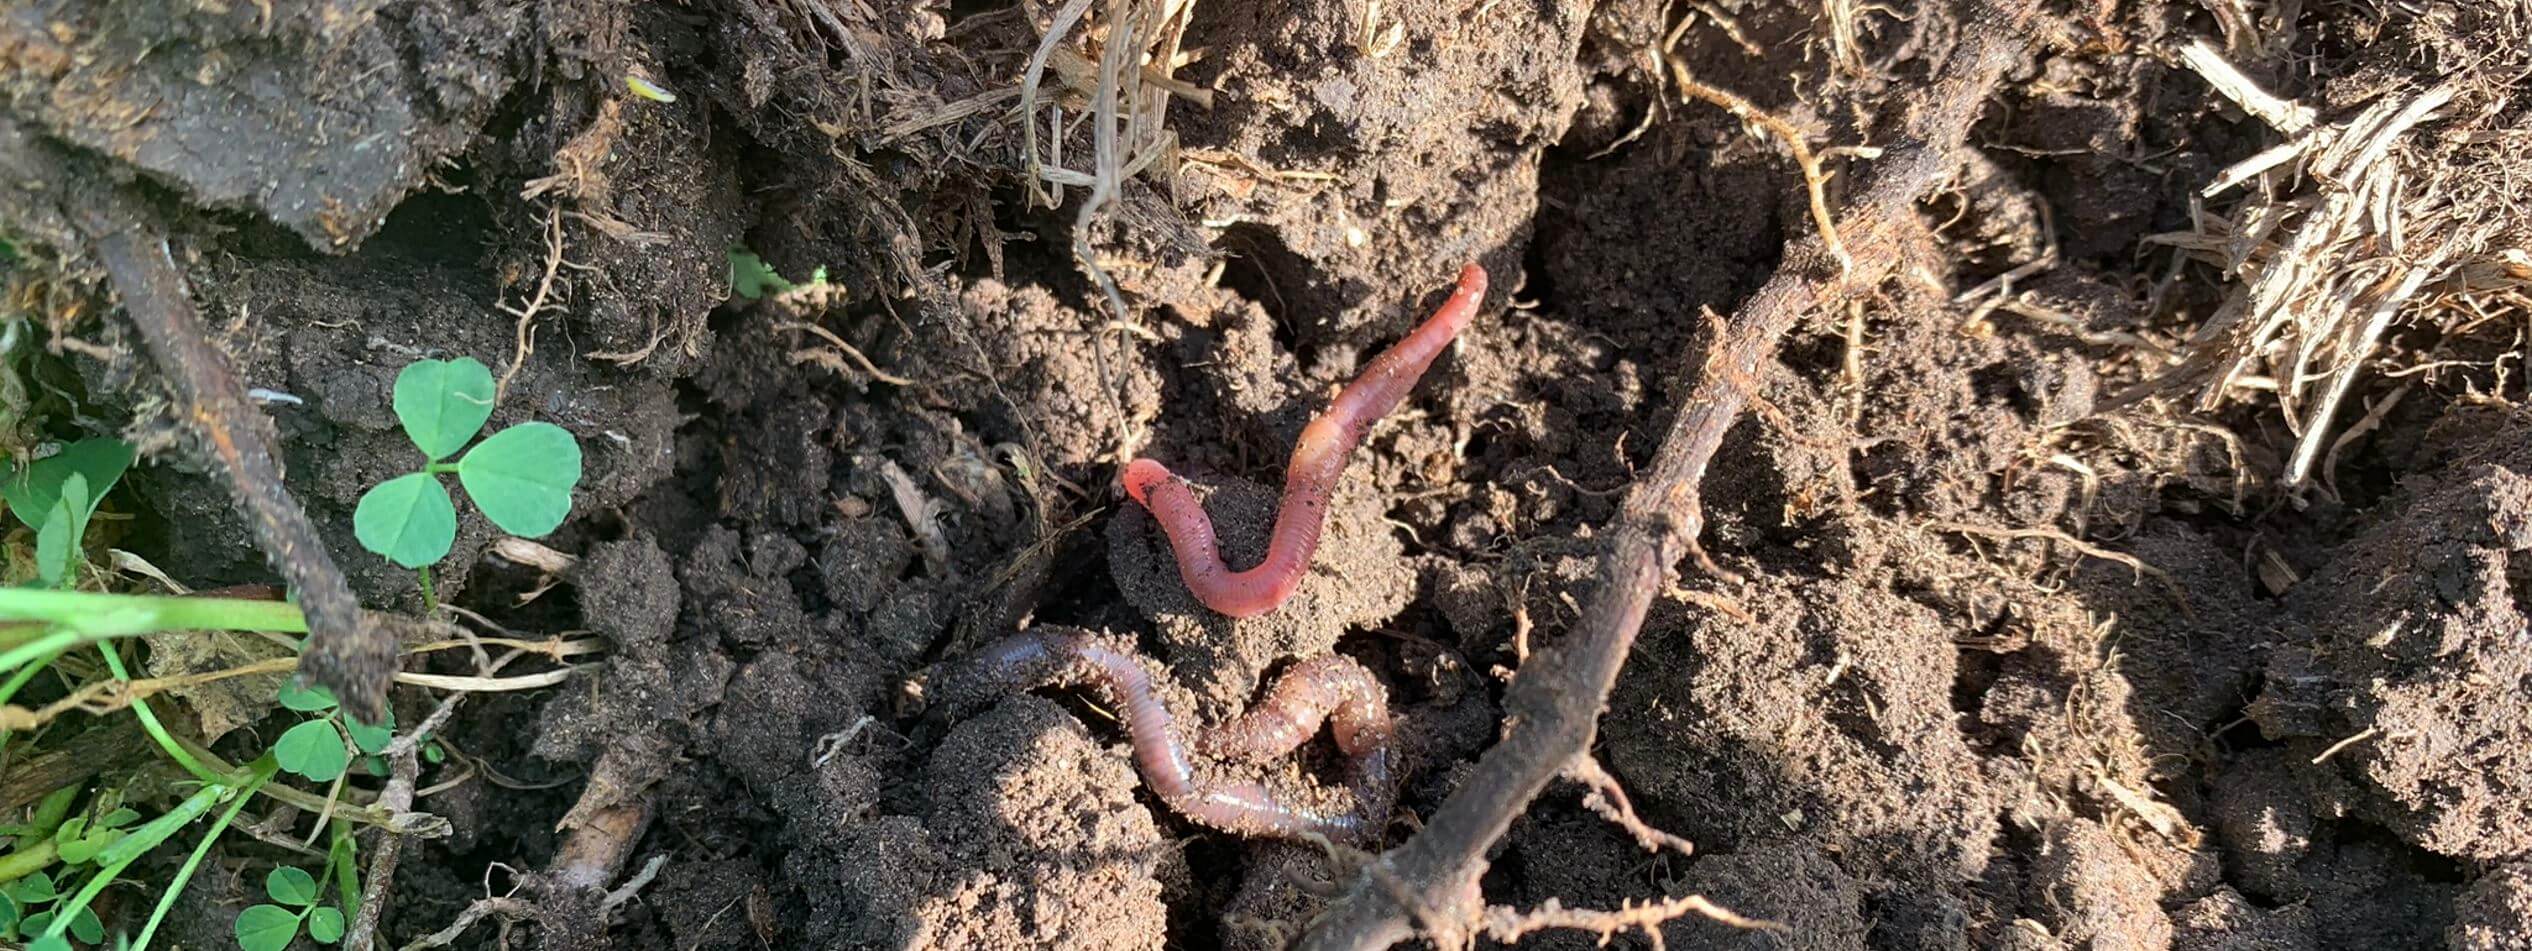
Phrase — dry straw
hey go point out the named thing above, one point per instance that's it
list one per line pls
(2399, 216)
(1125, 94)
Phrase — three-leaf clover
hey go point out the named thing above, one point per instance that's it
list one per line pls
(57, 495)
(22, 911)
(272, 927)
(315, 749)
(521, 477)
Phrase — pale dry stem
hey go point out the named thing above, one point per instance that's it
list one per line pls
(2399, 215)
(851, 352)
(524, 345)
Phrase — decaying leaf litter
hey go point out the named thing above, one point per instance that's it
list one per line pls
(2121, 519)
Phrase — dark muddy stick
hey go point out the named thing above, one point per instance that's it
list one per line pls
(344, 653)
(24, 781)
(1552, 709)
(404, 772)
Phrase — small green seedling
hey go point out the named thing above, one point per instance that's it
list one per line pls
(56, 497)
(647, 89)
(752, 278)
(521, 477)
(316, 748)
(27, 908)
(80, 838)
(272, 927)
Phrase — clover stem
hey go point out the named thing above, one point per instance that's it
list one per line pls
(430, 598)
(263, 772)
(441, 468)
(29, 860)
(81, 616)
(151, 726)
(344, 859)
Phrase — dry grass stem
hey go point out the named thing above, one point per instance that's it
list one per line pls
(854, 353)
(2282, 115)
(1128, 97)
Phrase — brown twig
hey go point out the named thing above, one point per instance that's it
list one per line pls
(506, 908)
(1552, 708)
(525, 332)
(117, 746)
(405, 758)
(398, 796)
(869, 368)
(344, 654)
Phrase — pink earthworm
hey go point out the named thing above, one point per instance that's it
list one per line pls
(1317, 459)
(1333, 689)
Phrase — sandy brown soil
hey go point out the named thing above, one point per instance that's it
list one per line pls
(2221, 721)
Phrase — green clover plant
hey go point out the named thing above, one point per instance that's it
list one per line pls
(521, 477)
(752, 278)
(294, 893)
(28, 906)
(317, 748)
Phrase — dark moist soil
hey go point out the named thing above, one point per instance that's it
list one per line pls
(2276, 728)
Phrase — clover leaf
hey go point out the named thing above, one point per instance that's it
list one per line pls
(266, 928)
(325, 924)
(522, 477)
(408, 519)
(443, 403)
(313, 749)
(291, 886)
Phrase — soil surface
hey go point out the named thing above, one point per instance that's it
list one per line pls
(2008, 663)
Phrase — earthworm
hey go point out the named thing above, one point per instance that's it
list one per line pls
(1317, 459)
(1333, 689)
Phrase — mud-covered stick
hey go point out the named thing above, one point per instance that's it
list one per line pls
(344, 653)
(1317, 460)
